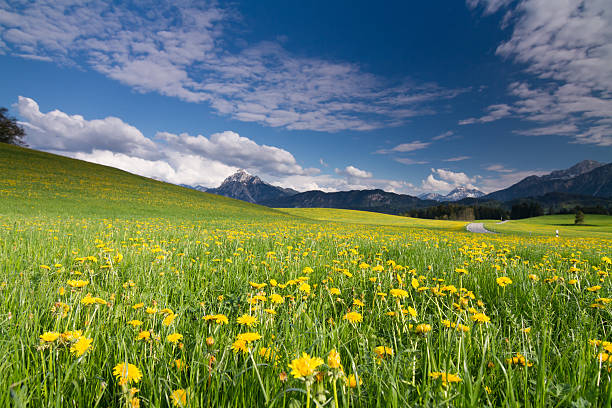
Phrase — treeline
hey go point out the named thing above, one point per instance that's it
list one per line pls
(525, 209)
(459, 212)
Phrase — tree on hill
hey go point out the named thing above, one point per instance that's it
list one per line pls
(579, 218)
(10, 131)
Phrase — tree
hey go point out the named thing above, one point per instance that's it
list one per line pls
(579, 218)
(10, 131)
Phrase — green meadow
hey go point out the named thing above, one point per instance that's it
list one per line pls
(121, 291)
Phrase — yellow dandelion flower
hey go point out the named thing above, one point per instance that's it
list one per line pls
(81, 346)
(353, 317)
(247, 320)
(304, 366)
(333, 359)
(49, 337)
(174, 338)
(127, 373)
(179, 398)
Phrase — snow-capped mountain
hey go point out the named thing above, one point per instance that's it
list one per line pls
(457, 194)
(244, 186)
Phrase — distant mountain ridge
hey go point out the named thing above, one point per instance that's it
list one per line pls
(586, 182)
(457, 194)
(588, 178)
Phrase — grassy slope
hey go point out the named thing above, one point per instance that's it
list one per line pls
(372, 218)
(599, 226)
(35, 182)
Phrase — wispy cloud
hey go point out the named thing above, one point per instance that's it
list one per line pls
(495, 112)
(183, 50)
(458, 158)
(405, 147)
(409, 161)
(567, 47)
(444, 135)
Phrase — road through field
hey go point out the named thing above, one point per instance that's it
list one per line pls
(479, 228)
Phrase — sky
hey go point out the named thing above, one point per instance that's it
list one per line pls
(410, 97)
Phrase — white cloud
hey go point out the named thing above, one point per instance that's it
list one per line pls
(568, 47)
(498, 168)
(405, 147)
(447, 180)
(353, 171)
(409, 161)
(495, 112)
(59, 131)
(182, 50)
(180, 159)
(458, 158)
(504, 180)
(444, 135)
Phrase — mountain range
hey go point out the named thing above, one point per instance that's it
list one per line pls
(588, 182)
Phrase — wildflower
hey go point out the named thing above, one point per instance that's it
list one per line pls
(383, 351)
(127, 373)
(249, 337)
(519, 359)
(276, 298)
(134, 323)
(210, 341)
(334, 291)
(351, 381)
(220, 319)
(333, 359)
(81, 346)
(422, 328)
(353, 317)
(307, 270)
(594, 288)
(481, 318)
(144, 335)
(304, 366)
(138, 306)
(151, 310)
(398, 293)
(461, 271)
(447, 378)
(304, 287)
(357, 302)
(49, 337)
(174, 338)
(77, 283)
(168, 319)
(240, 345)
(503, 281)
(179, 398)
(247, 320)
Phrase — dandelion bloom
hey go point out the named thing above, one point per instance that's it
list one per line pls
(353, 317)
(77, 283)
(81, 346)
(334, 291)
(276, 298)
(134, 323)
(333, 359)
(422, 328)
(179, 398)
(594, 288)
(519, 359)
(240, 345)
(174, 337)
(481, 318)
(49, 337)
(398, 293)
(445, 377)
(220, 319)
(304, 366)
(357, 302)
(247, 320)
(144, 335)
(127, 373)
(383, 351)
(168, 319)
(304, 287)
(249, 336)
(503, 281)
(351, 381)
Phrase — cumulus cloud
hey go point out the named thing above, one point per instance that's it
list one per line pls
(59, 131)
(180, 159)
(441, 180)
(353, 171)
(568, 48)
(183, 50)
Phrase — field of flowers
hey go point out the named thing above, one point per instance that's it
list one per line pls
(158, 305)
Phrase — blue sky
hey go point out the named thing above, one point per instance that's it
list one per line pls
(411, 97)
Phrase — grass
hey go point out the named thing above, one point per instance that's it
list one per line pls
(372, 218)
(594, 226)
(148, 272)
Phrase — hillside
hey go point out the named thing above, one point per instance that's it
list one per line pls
(37, 182)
